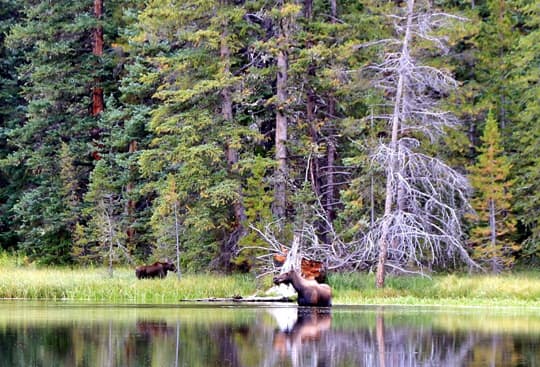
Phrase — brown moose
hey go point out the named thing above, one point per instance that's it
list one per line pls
(158, 269)
(310, 292)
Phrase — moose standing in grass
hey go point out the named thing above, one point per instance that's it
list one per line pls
(158, 269)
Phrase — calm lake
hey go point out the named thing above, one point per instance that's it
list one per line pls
(76, 334)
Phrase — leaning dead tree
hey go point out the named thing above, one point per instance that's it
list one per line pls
(425, 199)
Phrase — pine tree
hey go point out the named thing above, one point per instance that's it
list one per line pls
(525, 140)
(57, 73)
(198, 138)
(491, 236)
(12, 177)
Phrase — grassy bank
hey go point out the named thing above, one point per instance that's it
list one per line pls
(94, 284)
(520, 289)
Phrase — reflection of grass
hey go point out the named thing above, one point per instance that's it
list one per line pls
(35, 312)
(93, 284)
(448, 319)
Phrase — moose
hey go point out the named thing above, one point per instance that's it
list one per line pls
(310, 292)
(158, 269)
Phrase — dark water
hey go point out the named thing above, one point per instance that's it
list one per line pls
(67, 334)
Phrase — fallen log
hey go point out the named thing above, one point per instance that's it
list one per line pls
(240, 299)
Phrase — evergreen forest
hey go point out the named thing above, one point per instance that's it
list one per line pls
(397, 136)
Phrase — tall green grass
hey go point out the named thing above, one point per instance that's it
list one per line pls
(95, 285)
(521, 289)
(20, 280)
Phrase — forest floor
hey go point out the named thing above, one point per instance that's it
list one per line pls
(521, 289)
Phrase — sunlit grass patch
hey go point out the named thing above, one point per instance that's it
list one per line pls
(448, 289)
(20, 280)
(94, 284)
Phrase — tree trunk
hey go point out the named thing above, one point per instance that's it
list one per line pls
(130, 206)
(281, 131)
(230, 241)
(392, 168)
(227, 113)
(177, 238)
(493, 236)
(333, 10)
(98, 104)
(331, 154)
(314, 164)
(308, 9)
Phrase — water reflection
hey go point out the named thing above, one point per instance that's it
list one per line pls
(304, 337)
(56, 334)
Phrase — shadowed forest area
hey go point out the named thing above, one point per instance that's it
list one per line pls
(396, 136)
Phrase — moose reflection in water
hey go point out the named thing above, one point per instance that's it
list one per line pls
(310, 325)
(264, 336)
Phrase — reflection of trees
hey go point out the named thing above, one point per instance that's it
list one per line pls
(316, 339)
(380, 344)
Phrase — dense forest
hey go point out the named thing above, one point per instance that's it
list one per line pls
(369, 134)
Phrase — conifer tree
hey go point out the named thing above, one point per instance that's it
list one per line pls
(197, 136)
(492, 233)
(59, 75)
(11, 113)
(56, 73)
(525, 139)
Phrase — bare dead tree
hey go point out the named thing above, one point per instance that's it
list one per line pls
(425, 199)
(110, 235)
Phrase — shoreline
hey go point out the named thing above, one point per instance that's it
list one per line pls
(519, 290)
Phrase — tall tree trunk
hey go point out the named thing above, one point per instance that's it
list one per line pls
(281, 128)
(331, 155)
(231, 239)
(331, 144)
(333, 10)
(177, 238)
(310, 108)
(390, 199)
(314, 164)
(97, 50)
(493, 236)
(308, 9)
(130, 206)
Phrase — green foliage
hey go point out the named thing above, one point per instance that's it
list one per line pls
(492, 236)
(56, 75)
(190, 138)
(165, 72)
(12, 176)
(526, 136)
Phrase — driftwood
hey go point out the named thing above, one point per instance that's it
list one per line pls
(240, 299)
